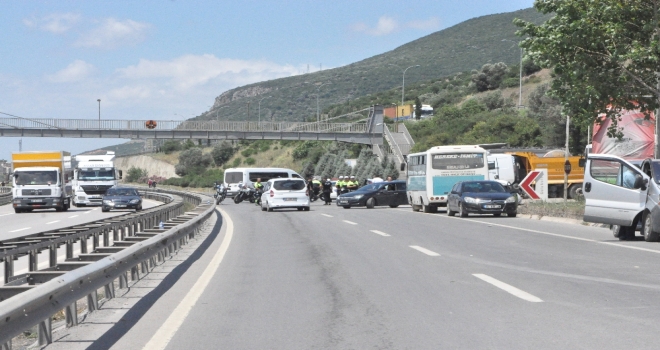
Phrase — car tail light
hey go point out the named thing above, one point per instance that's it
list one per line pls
(272, 194)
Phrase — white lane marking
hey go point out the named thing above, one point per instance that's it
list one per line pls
(71, 217)
(52, 222)
(6, 214)
(87, 212)
(330, 216)
(508, 288)
(166, 332)
(21, 229)
(380, 233)
(350, 222)
(424, 250)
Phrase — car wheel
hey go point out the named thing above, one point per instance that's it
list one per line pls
(347, 207)
(647, 229)
(300, 209)
(262, 207)
(306, 208)
(511, 215)
(462, 210)
(622, 232)
(371, 202)
(497, 215)
(394, 205)
(450, 212)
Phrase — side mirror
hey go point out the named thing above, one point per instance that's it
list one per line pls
(120, 174)
(582, 162)
(403, 166)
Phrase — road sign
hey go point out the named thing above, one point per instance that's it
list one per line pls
(540, 176)
(567, 167)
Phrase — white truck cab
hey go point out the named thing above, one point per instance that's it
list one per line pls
(622, 194)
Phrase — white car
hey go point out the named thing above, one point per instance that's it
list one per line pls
(285, 193)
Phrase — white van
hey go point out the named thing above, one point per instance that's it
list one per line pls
(501, 167)
(246, 176)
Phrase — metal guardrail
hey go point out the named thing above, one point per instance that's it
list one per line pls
(60, 286)
(5, 195)
(406, 133)
(395, 150)
(174, 125)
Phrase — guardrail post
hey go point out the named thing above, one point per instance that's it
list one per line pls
(34, 260)
(45, 331)
(115, 234)
(92, 301)
(9, 268)
(52, 255)
(71, 312)
(123, 281)
(83, 245)
(145, 266)
(6, 346)
(69, 249)
(95, 241)
(135, 274)
(106, 237)
(109, 290)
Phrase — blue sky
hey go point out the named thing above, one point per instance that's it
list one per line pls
(168, 60)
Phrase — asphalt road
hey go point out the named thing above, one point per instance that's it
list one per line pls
(395, 279)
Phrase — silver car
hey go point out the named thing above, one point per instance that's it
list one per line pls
(623, 195)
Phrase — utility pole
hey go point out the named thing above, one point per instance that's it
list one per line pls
(99, 100)
(248, 118)
(568, 121)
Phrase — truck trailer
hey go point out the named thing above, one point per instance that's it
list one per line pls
(528, 161)
(40, 181)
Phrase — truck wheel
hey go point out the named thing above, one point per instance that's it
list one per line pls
(573, 191)
(648, 229)
(623, 233)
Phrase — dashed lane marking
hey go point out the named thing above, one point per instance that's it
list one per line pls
(87, 212)
(508, 288)
(424, 250)
(71, 217)
(52, 222)
(6, 214)
(380, 233)
(330, 216)
(21, 229)
(350, 222)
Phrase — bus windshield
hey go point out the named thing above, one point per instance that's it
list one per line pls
(457, 161)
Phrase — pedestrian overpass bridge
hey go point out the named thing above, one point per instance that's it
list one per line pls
(369, 132)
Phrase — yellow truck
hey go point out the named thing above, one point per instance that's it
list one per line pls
(40, 181)
(528, 161)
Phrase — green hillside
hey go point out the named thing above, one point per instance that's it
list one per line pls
(460, 48)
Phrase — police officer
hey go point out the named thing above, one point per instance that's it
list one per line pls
(259, 187)
(327, 189)
(340, 184)
(316, 186)
(352, 184)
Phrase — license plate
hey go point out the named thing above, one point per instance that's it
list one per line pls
(120, 206)
(36, 201)
(290, 199)
(492, 206)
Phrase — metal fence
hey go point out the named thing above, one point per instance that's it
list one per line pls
(137, 248)
(5, 195)
(167, 125)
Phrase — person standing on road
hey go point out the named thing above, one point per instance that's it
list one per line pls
(327, 189)
(352, 184)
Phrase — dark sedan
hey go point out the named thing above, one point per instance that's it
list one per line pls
(392, 193)
(481, 197)
(121, 198)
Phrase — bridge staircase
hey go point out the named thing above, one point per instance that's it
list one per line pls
(399, 143)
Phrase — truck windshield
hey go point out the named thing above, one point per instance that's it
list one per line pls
(96, 175)
(35, 177)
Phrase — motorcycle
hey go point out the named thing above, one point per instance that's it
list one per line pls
(315, 195)
(255, 196)
(220, 193)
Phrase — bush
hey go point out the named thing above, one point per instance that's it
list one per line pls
(134, 174)
(171, 146)
(192, 161)
(236, 162)
(250, 161)
(510, 82)
(222, 152)
(247, 152)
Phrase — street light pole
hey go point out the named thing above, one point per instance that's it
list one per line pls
(521, 67)
(216, 113)
(318, 113)
(99, 100)
(260, 108)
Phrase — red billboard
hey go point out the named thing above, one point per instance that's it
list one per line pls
(638, 136)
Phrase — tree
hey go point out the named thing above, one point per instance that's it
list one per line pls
(490, 76)
(192, 161)
(418, 108)
(605, 55)
(171, 146)
(133, 174)
(222, 152)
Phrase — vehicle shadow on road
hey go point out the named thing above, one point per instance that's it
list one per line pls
(135, 313)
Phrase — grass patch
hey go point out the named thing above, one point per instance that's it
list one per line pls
(570, 210)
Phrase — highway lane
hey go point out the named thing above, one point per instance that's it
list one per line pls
(17, 225)
(393, 279)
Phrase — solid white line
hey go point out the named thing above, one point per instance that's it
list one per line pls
(330, 216)
(166, 332)
(6, 214)
(424, 250)
(508, 288)
(380, 233)
(21, 229)
(52, 222)
(87, 212)
(71, 217)
(350, 222)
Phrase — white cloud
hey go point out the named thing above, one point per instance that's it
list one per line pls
(56, 23)
(388, 25)
(385, 25)
(76, 71)
(190, 71)
(113, 33)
